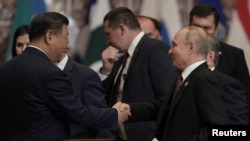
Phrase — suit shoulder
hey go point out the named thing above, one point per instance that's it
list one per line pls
(225, 46)
(83, 68)
(226, 79)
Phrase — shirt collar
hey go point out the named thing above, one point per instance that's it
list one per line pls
(63, 62)
(212, 69)
(134, 43)
(190, 68)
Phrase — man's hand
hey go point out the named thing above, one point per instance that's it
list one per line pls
(123, 110)
(109, 56)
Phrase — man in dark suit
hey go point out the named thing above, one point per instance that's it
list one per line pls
(234, 92)
(148, 73)
(88, 86)
(231, 60)
(37, 101)
(197, 103)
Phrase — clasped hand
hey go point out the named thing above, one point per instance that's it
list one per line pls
(123, 110)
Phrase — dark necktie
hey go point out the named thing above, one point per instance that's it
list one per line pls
(116, 87)
(177, 86)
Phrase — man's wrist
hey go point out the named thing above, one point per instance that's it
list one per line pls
(102, 71)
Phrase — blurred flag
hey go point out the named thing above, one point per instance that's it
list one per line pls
(167, 12)
(239, 33)
(234, 27)
(97, 41)
(164, 33)
(25, 9)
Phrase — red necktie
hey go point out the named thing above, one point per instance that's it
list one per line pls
(116, 87)
(177, 86)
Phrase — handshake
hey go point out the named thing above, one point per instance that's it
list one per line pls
(123, 110)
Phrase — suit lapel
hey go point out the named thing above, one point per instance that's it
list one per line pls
(183, 87)
(135, 54)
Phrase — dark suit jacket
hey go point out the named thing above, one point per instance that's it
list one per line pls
(87, 84)
(232, 62)
(150, 76)
(198, 104)
(235, 97)
(37, 101)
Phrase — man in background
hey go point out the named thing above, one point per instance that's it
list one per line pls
(150, 26)
(234, 92)
(88, 86)
(231, 59)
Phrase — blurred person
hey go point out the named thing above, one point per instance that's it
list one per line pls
(234, 92)
(42, 104)
(231, 59)
(196, 103)
(150, 26)
(20, 40)
(88, 86)
(146, 75)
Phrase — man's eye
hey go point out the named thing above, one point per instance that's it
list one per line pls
(19, 45)
(206, 28)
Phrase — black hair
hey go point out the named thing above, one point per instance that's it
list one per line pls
(21, 30)
(41, 23)
(122, 15)
(204, 11)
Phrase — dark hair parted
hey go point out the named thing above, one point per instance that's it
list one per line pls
(21, 30)
(121, 15)
(204, 11)
(41, 23)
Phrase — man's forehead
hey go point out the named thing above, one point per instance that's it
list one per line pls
(203, 20)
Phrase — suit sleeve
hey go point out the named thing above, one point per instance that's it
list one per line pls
(235, 95)
(210, 105)
(94, 95)
(67, 105)
(93, 91)
(145, 111)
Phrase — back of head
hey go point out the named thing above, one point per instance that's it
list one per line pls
(204, 11)
(21, 30)
(157, 24)
(122, 15)
(215, 47)
(199, 37)
(41, 23)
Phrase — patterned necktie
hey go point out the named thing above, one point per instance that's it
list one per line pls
(116, 87)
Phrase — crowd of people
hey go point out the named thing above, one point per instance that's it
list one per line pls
(144, 90)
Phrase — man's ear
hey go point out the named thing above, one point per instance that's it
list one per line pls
(210, 55)
(210, 58)
(122, 29)
(191, 47)
(48, 37)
